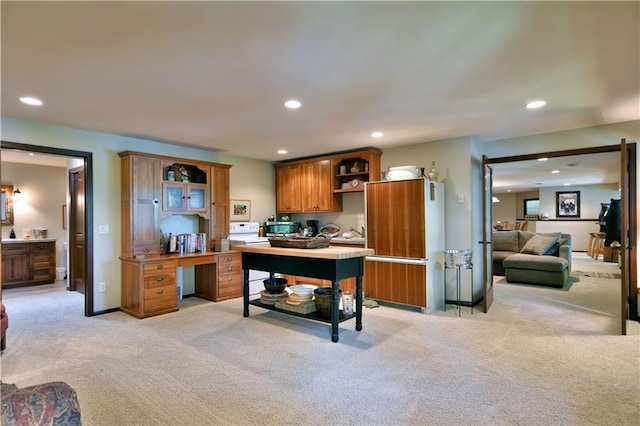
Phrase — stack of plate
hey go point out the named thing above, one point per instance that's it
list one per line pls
(294, 299)
(271, 298)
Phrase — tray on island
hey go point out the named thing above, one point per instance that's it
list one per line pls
(300, 242)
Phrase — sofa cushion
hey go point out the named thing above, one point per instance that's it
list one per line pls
(538, 244)
(499, 256)
(505, 241)
(536, 262)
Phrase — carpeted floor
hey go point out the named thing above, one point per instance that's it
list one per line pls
(541, 356)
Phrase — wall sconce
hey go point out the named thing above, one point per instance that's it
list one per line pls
(17, 195)
(495, 200)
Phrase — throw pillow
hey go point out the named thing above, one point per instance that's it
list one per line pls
(538, 244)
(505, 241)
(554, 250)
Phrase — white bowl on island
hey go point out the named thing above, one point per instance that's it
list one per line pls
(303, 289)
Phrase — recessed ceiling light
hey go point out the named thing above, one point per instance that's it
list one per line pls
(555, 171)
(377, 134)
(292, 104)
(567, 184)
(542, 159)
(282, 151)
(30, 101)
(536, 104)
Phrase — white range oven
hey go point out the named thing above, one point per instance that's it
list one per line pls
(248, 233)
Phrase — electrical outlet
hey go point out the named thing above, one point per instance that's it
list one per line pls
(103, 287)
(103, 230)
(460, 198)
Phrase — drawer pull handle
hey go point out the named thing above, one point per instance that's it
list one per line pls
(229, 258)
(160, 279)
(160, 266)
(229, 269)
(160, 291)
(146, 250)
(229, 279)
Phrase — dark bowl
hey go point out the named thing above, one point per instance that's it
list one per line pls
(275, 285)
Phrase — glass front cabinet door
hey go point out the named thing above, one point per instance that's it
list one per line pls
(178, 197)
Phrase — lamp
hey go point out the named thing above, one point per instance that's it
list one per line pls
(17, 195)
(495, 200)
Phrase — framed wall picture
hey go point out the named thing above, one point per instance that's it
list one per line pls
(240, 210)
(568, 204)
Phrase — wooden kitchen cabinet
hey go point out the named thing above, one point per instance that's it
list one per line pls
(288, 188)
(317, 187)
(316, 184)
(352, 170)
(28, 263)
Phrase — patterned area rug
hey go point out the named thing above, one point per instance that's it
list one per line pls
(596, 274)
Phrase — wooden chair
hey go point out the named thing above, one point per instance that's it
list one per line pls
(598, 246)
(525, 225)
(517, 226)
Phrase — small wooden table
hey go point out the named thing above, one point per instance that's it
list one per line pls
(332, 263)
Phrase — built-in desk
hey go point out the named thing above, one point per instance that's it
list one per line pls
(333, 263)
(149, 282)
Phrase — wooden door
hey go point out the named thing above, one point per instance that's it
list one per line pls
(77, 231)
(487, 220)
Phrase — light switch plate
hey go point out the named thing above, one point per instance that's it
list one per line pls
(103, 229)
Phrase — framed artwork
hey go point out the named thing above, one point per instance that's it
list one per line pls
(568, 204)
(240, 210)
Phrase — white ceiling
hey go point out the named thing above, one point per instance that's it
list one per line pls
(215, 74)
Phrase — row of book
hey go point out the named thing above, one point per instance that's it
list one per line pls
(187, 243)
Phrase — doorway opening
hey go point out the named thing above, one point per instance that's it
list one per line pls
(629, 292)
(86, 221)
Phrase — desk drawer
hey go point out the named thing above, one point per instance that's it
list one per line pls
(159, 280)
(159, 266)
(230, 286)
(229, 268)
(228, 258)
(159, 298)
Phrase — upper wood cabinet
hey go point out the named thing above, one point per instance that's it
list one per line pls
(288, 188)
(317, 184)
(140, 192)
(219, 225)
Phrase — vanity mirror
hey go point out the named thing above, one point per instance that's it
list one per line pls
(6, 209)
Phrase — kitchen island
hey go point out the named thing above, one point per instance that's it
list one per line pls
(333, 263)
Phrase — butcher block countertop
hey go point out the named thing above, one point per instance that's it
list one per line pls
(331, 252)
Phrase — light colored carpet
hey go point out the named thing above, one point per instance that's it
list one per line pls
(541, 356)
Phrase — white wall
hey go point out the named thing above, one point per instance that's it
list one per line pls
(255, 180)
